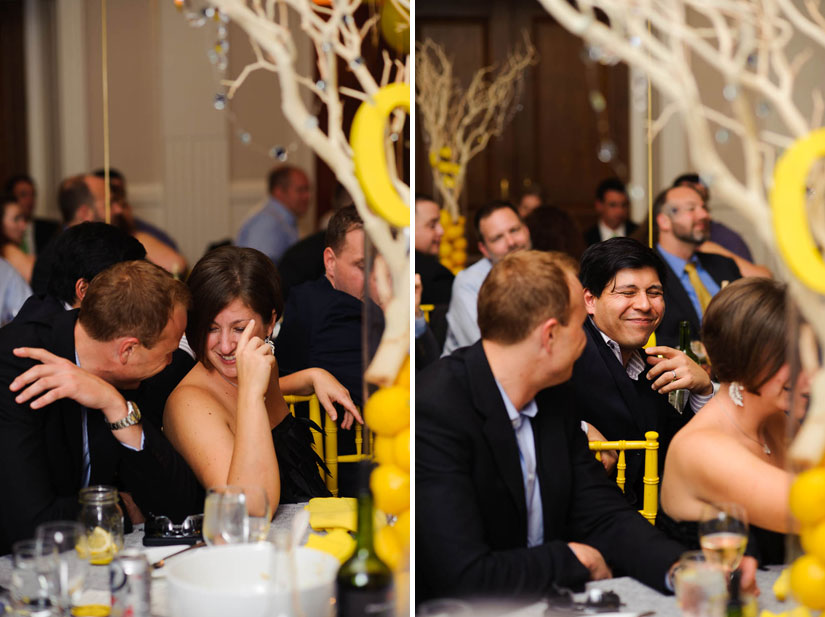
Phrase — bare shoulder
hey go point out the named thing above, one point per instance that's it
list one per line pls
(193, 399)
(702, 446)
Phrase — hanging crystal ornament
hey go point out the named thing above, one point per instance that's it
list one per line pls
(220, 102)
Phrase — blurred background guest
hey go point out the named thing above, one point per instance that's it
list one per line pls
(12, 229)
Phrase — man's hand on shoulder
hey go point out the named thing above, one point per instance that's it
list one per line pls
(591, 559)
(56, 378)
(674, 370)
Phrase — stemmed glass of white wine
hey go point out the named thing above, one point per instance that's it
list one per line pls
(723, 534)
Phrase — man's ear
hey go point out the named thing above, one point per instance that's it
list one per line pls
(80, 287)
(329, 261)
(126, 346)
(549, 331)
(589, 302)
(663, 222)
(483, 250)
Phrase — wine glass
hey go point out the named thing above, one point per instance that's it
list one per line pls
(723, 534)
(65, 542)
(259, 511)
(225, 516)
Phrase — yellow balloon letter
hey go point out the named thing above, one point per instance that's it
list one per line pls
(369, 157)
(793, 233)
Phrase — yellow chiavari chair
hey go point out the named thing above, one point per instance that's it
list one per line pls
(650, 500)
(326, 445)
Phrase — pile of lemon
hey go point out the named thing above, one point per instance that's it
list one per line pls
(387, 413)
(807, 573)
(453, 249)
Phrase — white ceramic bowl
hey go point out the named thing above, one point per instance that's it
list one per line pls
(237, 579)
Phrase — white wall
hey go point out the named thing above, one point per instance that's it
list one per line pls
(186, 169)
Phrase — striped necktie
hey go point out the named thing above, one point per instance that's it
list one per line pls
(702, 292)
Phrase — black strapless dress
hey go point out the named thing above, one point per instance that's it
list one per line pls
(297, 461)
(767, 546)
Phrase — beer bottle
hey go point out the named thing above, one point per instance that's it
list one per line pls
(364, 582)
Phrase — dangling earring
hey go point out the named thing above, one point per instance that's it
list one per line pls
(271, 344)
(735, 394)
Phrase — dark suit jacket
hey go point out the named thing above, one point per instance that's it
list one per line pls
(44, 231)
(322, 327)
(436, 280)
(471, 517)
(591, 236)
(41, 451)
(621, 408)
(302, 262)
(678, 306)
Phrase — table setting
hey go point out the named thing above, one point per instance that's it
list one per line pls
(242, 576)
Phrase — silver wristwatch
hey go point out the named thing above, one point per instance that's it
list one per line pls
(130, 420)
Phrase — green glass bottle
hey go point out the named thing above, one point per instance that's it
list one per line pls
(364, 582)
(677, 398)
(685, 340)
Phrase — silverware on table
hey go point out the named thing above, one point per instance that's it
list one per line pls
(162, 562)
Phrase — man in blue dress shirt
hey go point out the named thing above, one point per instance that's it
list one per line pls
(274, 228)
(693, 277)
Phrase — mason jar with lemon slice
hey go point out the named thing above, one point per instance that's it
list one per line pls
(102, 519)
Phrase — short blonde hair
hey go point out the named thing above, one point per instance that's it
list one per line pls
(523, 290)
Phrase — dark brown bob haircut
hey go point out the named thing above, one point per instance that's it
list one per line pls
(131, 298)
(523, 290)
(221, 276)
(745, 331)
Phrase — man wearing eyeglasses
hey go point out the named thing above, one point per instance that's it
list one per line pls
(625, 288)
(693, 277)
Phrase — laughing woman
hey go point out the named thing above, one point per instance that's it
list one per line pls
(228, 417)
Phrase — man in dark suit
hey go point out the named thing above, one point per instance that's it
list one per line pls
(612, 207)
(693, 278)
(624, 298)
(436, 280)
(509, 500)
(322, 318)
(64, 423)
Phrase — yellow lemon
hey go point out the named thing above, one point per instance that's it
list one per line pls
(808, 496)
(391, 488)
(444, 249)
(403, 377)
(812, 538)
(388, 411)
(808, 581)
(447, 262)
(459, 258)
(460, 244)
(402, 529)
(401, 448)
(387, 547)
(384, 449)
(446, 219)
(453, 232)
(782, 586)
(101, 546)
(462, 220)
